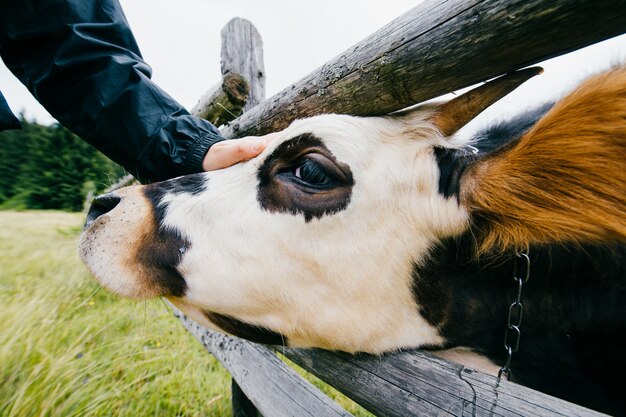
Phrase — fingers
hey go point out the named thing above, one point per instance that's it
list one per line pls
(230, 152)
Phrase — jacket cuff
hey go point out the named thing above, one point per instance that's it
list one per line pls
(197, 151)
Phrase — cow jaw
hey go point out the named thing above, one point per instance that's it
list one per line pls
(326, 267)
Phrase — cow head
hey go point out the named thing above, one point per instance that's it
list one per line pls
(312, 243)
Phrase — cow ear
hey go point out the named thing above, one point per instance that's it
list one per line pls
(563, 181)
(456, 113)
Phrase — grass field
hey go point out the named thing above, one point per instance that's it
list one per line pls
(70, 349)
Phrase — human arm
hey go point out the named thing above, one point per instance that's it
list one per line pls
(80, 60)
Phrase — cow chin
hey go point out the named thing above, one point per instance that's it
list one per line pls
(129, 254)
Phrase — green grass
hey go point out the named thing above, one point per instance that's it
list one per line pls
(70, 349)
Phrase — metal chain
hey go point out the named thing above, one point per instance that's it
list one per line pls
(513, 332)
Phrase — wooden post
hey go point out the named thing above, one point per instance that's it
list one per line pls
(242, 406)
(243, 82)
(242, 53)
(433, 49)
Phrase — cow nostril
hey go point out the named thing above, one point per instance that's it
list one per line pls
(101, 205)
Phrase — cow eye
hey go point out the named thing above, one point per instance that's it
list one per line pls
(312, 173)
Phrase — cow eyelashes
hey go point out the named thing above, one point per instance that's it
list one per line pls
(312, 173)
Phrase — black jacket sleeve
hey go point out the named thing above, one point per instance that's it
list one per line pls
(81, 62)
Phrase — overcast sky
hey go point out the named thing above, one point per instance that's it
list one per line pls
(181, 41)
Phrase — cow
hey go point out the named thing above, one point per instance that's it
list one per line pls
(374, 234)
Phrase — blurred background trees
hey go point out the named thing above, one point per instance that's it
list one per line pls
(48, 167)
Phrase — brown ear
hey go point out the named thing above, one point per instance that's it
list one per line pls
(563, 181)
(456, 113)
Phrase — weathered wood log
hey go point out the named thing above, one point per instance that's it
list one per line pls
(416, 383)
(274, 388)
(242, 53)
(411, 383)
(225, 101)
(435, 48)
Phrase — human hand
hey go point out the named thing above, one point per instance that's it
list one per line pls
(230, 152)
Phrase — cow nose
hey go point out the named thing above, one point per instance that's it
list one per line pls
(99, 206)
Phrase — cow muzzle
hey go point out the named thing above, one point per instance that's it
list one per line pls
(127, 249)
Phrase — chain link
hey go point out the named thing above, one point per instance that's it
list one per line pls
(513, 331)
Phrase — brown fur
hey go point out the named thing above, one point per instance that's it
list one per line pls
(154, 255)
(563, 181)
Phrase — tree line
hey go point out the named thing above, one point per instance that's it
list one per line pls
(49, 167)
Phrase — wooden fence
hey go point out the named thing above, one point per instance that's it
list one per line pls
(437, 47)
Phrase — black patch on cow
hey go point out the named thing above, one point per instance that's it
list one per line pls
(453, 162)
(574, 322)
(159, 256)
(162, 248)
(191, 184)
(254, 333)
(499, 134)
(280, 190)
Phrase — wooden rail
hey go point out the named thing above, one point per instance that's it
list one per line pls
(412, 383)
(416, 383)
(436, 48)
(272, 386)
